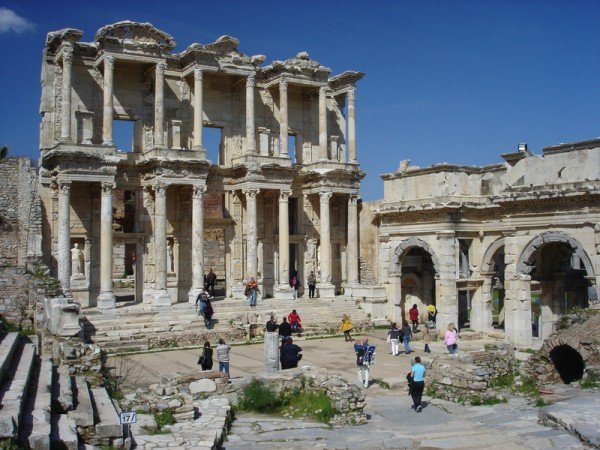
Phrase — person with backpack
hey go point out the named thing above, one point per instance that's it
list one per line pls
(201, 301)
(365, 357)
(431, 316)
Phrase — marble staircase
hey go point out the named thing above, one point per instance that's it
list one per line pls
(144, 327)
(42, 406)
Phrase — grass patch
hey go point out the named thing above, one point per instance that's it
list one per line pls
(504, 381)
(529, 387)
(300, 402)
(589, 384)
(540, 402)
(382, 384)
(164, 417)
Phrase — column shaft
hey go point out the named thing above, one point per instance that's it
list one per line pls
(325, 237)
(351, 126)
(159, 105)
(64, 236)
(252, 233)
(161, 296)
(198, 111)
(284, 238)
(352, 245)
(250, 136)
(197, 242)
(107, 115)
(106, 299)
(283, 117)
(65, 130)
(323, 154)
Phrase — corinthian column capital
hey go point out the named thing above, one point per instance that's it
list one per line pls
(284, 195)
(107, 188)
(198, 191)
(64, 186)
(160, 190)
(109, 62)
(352, 95)
(251, 80)
(198, 73)
(250, 192)
(160, 68)
(353, 200)
(325, 196)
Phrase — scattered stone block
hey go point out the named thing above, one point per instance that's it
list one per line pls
(204, 385)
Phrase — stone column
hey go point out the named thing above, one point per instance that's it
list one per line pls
(251, 234)
(106, 299)
(445, 282)
(159, 105)
(283, 291)
(107, 115)
(197, 242)
(64, 236)
(250, 136)
(283, 118)
(198, 112)
(351, 126)
(161, 295)
(323, 123)
(352, 245)
(271, 352)
(481, 305)
(67, 66)
(326, 289)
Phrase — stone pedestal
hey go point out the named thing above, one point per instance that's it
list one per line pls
(271, 352)
(325, 290)
(284, 292)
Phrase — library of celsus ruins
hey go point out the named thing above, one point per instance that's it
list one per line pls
(279, 197)
(250, 169)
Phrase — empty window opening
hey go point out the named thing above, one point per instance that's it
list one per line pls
(292, 148)
(293, 215)
(124, 211)
(212, 139)
(568, 362)
(124, 135)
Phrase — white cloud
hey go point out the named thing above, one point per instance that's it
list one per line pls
(11, 21)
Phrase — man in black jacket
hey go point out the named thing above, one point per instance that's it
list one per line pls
(285, 329)
(272, 325)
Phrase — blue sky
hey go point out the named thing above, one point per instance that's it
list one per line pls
(447, 81)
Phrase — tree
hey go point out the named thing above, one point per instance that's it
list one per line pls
(3, 152)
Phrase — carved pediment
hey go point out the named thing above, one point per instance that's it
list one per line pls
(301, 64)
(135, 34)
(55, 38)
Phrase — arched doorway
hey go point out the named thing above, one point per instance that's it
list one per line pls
(568, 363)
(489, 312)
(559, 269)
(415, 267)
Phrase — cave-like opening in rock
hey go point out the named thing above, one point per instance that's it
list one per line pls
(568, 363)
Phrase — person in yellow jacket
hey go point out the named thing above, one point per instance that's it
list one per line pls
(346, 327)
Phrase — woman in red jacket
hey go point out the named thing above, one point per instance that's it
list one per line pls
(413, 313)
(295, 322)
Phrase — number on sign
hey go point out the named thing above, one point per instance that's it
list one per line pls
(128, 417)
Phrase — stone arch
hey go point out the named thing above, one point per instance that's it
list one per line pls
(404, 247)
(526, 261)
(487, 264)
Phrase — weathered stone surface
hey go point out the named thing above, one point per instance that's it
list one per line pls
(579, 416)
(205, 385)
(109, 425)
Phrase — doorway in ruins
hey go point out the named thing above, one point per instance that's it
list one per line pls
(559, 284)
(418, 282)
(498, 292)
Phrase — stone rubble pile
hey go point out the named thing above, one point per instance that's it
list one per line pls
(467, 374)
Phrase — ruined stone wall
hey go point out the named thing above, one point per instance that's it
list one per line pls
(369, 243)
(20, 236)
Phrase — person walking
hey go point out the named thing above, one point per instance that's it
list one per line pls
(223, 356)
(206, 361)
(285, 329)
(365, 357)
(426, 340)
(311, 280)
(290, 354)
(295, 284)
(252, 292)
(346, 328)
(201, 302)
(393, 338)
(418, 384)
(413, 314)
(431, 316)
(211, 279)
(451, 339)
(208, 314)
(295, 322)
(406, 336)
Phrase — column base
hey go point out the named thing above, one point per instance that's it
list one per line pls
(326, 290)
(353, 290)
(106, 301)
(162, 297)
(201, 150)
(147, 295)
(284, 292)
(238, 290)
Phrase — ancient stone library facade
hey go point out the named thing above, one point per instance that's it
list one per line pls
(279, 198)
(504, 247)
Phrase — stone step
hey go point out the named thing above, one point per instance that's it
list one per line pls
(14, 389)
(7, 349)
(83, 412)
(64, 432)
(63, 390)
(108, 424)
(37, 426)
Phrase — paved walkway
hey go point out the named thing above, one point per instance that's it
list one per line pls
(392, 423)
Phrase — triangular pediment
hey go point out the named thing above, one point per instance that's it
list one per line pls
(135, 34)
